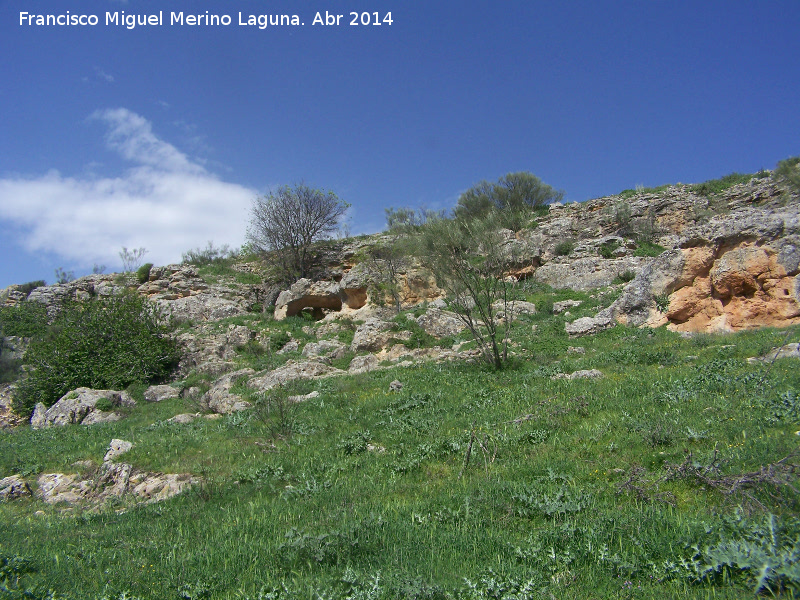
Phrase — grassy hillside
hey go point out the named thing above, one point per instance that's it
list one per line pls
(467, 483)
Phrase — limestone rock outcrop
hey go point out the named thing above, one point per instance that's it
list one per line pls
(320, 296)
(375, 334)
(291, 371)
(219, 397)
(8, 418)
(159, 393)
(79, 406)
(14, 487)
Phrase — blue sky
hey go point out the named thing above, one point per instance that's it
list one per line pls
(161, 136)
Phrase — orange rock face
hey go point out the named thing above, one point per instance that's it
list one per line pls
(742, 288)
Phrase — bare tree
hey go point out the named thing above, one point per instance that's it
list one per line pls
(131, 259)
(284, 225)
(385, 261)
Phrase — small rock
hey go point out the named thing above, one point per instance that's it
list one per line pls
(576, 350)
(303, 398)
(116, 448)
(38, 418)
(559, 307)
(395, 386)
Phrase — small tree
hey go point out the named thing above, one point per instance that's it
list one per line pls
(285, 224)
(469, 261)
(131, 259)
(513, 198)
(63, 276)
(408, 220)
(384, 262)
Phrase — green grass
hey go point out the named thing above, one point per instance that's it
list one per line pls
(221, 270)
(541, 507)
(716, 186)
(648, 249)
(630, 193)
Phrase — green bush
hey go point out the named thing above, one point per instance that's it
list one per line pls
(9, 369)
(715, 186)
(626, 276)
(143, 272)
(564, 248)
(104, 404)
(108, 343)
(648, 249)
(606, 249)
(25, 319)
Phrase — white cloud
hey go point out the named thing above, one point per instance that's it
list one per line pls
(165, 202)
(103, 75)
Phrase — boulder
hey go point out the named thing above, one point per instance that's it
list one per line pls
(329, 348)
(77, 406)
(210, 352)
(292, 371)
(98, 417)
(14, 347)
(159, 393)
(183, 418)
(590, 325)
(439, 323)
(60, 487)
(117, 448)
(38, 416)
(8, 418)
(303, 397)
(290, 346)
(112, 481)
(14, 487)
(201, 307)
(374, 334)
(363, 364)
(583, 374)
(787, 351)
(219, 397)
